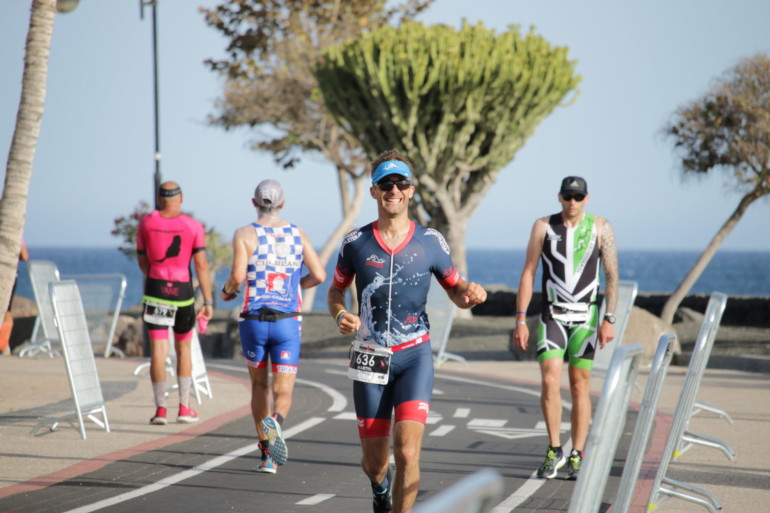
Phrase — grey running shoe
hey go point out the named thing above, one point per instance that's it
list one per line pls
(278, 450)
(573, 464)
(553, 462)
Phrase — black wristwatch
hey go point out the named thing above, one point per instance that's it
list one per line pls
(609, 318)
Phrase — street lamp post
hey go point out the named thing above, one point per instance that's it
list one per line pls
(153, 4)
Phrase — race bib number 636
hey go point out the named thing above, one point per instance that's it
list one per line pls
(370, 364)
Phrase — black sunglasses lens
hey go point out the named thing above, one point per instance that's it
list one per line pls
(402, 185)
(576, 197)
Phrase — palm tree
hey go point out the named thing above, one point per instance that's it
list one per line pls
(18, 171)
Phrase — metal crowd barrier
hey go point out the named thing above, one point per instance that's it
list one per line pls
(476, 493)
(83, 377)
(641, 436)
(680, 434)
(606, 429)
(200, 377)
(44, 333)
(627, 291)
(103, 296)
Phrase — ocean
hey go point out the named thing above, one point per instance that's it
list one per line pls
(745, 273)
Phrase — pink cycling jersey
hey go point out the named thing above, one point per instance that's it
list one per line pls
(169, 243)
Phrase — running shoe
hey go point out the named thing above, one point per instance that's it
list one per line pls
(266, 465)
(187, 415)
(573, 464)
(383, 502)
(553, 462)
(278, 450)
(160, 417)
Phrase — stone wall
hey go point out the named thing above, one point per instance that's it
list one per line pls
(751, 311)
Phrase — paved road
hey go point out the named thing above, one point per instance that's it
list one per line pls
(475, 423)
(484, 415)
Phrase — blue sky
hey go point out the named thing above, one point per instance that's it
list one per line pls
(640, 60)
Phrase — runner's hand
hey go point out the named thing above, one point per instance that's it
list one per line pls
(474, 294)
(349, 323)
(521, 336)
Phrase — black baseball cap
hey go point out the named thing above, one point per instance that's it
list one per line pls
(573, 185)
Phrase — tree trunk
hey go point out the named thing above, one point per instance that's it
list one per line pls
(673, 302)
(18, 171)
(351, 210)
(454, 232)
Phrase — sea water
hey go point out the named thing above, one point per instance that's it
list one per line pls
(731, 272)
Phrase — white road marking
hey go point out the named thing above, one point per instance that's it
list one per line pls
(442, 430)
(526, 490)
(461, 413)
(315, 499)
(482, 423)
(565, 426)
(346, 415)
(187, 474)
(512, 433)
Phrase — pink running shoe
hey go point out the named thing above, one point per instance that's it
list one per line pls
(187, 415)
(160, 417)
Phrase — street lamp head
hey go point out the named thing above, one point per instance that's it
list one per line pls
(65, 6)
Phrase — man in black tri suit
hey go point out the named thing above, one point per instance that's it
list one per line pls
(571, 245)
(392, 260)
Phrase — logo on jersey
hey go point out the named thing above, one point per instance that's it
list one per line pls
(375, 261)
(411, 319)
(287, 369)
(554, 237)
(170, 289)
(441, 240)
(449, 272)
(361, 422)
(285, 355)
(277, 282)
(423, 406)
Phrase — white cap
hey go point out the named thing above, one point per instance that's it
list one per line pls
(269, 193)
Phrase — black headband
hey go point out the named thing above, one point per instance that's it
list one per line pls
(167, 193)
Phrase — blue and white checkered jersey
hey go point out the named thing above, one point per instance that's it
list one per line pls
(274, 270)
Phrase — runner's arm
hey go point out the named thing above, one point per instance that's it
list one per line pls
(316, 272)
(240, 262)
(144, 263)
(201, 263)
(527, 282)
(335, 300)
(609, 256)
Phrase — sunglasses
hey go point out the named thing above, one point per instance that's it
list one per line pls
(576, 197)
(387, 186)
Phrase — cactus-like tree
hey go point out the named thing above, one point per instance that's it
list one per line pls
(269, 85)
(459, 103)
(727, 129)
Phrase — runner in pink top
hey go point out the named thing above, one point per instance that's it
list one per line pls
(166, 242)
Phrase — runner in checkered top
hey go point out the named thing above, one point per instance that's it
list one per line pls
(270, 255)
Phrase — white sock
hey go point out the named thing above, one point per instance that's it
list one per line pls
(185, 383)
(159, 391)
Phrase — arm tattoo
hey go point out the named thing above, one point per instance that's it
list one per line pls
(609, 255)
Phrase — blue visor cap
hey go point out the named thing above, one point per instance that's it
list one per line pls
(391, 167)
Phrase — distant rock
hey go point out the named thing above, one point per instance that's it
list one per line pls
(23, 307)
(647, 328)
(684, 314)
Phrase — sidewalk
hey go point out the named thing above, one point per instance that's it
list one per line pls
(34, 389)
(38, 388)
